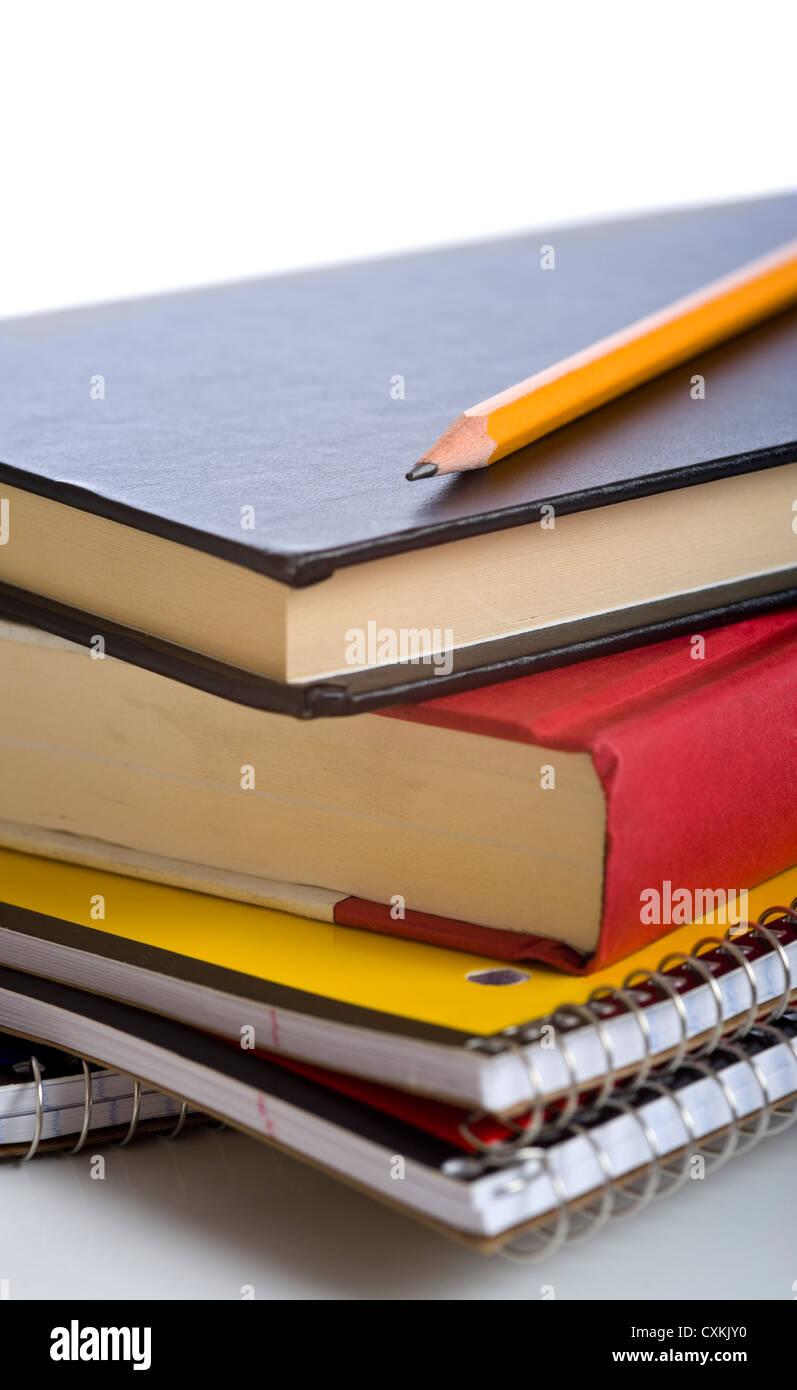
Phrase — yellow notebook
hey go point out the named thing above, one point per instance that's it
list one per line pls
(454, 1025)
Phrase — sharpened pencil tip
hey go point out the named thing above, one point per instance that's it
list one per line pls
(421, 470)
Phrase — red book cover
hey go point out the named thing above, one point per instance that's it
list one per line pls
(694, 741)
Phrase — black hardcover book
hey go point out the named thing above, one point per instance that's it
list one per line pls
(214, 480)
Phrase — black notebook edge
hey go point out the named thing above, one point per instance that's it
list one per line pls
(300, 570)
(386, 686)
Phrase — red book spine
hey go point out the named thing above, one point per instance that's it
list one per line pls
(698, 763)
(701, 795)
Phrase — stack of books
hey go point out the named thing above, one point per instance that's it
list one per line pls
(443, 834)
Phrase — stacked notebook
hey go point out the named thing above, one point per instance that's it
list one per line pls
(386, 827)
(50, 1100)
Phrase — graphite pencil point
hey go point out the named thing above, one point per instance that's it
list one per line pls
(424, 469)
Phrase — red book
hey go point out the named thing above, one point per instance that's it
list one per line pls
(694, 742)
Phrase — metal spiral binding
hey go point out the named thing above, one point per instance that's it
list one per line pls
(663, 981)
(617, 1197)
(37, 1130)
(88, 1103)
(178, 1127)
(133, 1126)
(88, 1100)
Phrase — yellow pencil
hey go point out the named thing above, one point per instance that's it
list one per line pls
(506, 422)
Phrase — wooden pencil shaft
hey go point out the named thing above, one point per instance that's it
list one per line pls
(490, 431)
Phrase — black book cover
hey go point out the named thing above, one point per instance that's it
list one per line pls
(308, 396)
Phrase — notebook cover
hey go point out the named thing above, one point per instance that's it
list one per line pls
(366, 979)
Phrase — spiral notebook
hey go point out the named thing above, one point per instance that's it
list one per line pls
(51, 1100)
(461, 1028)
(619, 1155)
(756, 1101)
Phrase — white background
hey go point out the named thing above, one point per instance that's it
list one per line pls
(153, 145)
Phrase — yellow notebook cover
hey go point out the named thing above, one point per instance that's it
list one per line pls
(102, 911)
